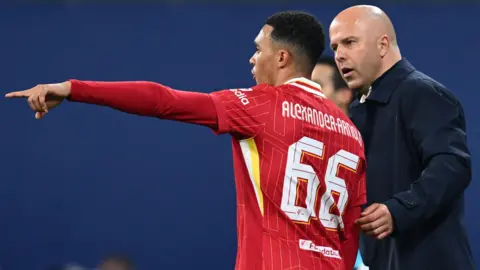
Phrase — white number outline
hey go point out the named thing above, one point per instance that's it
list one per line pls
(297, 171)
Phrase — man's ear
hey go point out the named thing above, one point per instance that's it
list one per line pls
(283, 57)
(383, 45)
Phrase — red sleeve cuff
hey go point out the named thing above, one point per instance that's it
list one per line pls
(77, 94)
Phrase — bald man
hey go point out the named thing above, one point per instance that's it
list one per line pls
(415, 142)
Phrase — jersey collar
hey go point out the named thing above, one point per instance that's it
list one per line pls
(307, 85)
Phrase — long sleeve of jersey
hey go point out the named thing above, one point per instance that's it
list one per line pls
(240, 112)
(148, 99)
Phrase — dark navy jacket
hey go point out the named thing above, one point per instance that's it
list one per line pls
(418, 164)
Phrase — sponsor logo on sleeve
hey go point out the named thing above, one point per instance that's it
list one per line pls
(239, 93)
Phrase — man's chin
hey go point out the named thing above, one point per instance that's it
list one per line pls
(354, 84)
(358, 87)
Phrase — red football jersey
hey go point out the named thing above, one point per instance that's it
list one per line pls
(298, 160)
(299, 171)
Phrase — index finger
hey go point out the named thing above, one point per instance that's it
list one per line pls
(370, 209)
(368, 218)
(17, 94)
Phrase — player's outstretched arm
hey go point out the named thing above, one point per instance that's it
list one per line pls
(241, 112)
(138, 97)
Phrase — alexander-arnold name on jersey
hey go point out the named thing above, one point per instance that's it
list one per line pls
(321, 119)
(239, 92)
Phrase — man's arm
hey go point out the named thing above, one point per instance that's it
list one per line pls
(148, 99)
(436, 121)
(243, 113)
(239, 112)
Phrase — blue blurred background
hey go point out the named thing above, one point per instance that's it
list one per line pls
(87, 181)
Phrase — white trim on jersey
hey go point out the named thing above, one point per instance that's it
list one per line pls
(314, 88)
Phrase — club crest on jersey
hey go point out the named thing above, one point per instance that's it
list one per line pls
(240, 95)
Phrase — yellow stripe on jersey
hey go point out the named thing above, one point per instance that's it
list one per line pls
(252, 161)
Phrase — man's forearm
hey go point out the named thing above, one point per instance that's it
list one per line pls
(444, 180)
(147, 99)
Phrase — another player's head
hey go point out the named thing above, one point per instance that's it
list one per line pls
(288, 46)
(334, 87)
(365, 44)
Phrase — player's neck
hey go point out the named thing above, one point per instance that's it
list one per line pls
(286, 76)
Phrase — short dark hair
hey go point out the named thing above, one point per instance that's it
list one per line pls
(300, 30)
(338, 82)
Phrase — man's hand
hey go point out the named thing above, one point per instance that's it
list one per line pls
(376, 221)
(43, 97)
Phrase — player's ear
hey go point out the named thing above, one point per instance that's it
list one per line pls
(283, 56)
